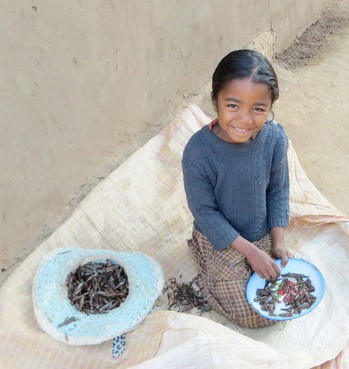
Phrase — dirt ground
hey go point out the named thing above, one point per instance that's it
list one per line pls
(313, 106)
(314, 79)
(315, 41)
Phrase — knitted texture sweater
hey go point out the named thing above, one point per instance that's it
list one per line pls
(237, 189)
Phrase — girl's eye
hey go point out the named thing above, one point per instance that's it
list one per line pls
(259, 110)
(232, 106)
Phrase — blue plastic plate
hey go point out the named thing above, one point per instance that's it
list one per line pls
(294, 265)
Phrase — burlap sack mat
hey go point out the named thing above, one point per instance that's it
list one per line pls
(141, 206)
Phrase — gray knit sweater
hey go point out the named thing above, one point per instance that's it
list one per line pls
(237, 189)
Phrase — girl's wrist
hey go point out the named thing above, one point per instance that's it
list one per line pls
(278, 246)
(277, 235)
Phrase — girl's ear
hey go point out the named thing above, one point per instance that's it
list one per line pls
(214, 103)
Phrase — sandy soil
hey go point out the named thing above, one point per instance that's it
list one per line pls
(313, 106)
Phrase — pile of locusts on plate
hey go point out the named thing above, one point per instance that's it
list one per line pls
(297, 291)
(97, 287)
(293, 289)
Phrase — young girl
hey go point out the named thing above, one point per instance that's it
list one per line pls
(237, 186)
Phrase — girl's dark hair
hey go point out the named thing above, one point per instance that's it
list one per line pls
(241, 64)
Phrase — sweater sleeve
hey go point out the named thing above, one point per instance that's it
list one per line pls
(203, 206)
(278, 187)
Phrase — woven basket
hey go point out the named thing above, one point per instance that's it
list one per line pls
(61, 320)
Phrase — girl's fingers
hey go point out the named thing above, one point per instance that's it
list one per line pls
(284, 260)
(272, 273)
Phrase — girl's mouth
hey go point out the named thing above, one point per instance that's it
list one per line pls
(242, 130)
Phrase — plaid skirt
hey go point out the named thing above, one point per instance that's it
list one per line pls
(223, 276)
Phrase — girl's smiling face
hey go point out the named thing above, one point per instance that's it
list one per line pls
(242, 108)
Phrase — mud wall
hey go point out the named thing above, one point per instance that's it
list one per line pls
(85, 83)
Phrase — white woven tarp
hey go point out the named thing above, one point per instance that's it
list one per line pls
(141, 206)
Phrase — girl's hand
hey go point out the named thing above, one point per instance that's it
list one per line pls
(262, 264)
(278, 249)
(259, 260)
(280, 252)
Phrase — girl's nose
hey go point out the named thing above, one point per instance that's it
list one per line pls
(245, 117)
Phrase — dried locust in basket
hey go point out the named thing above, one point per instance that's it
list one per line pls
(293, 289)
(97, 287)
